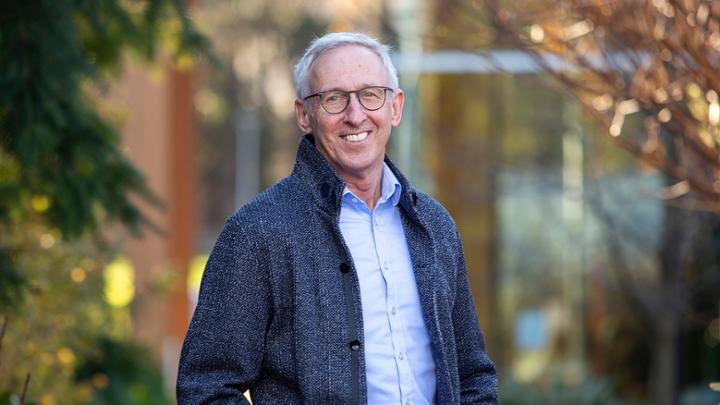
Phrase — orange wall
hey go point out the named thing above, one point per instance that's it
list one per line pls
(159, 137)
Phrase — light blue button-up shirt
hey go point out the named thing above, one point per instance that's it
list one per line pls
(398, 359)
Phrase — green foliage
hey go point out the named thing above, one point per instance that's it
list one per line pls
(63, 148)
(120, 374)
(63, 176)
(66, 336)
(54, 145)
(60, 316)
(12, 282)
(8, 398)
(555, 390)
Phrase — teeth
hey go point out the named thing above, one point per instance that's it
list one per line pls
(356, 137)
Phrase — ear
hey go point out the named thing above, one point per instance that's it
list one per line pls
(398, 99)
(302, 116)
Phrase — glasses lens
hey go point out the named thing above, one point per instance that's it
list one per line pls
(372, 98)
(334, 101)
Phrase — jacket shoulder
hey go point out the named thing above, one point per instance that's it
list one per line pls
(272, 209)
(433, 213)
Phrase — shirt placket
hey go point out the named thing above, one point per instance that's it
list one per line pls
(392, 307)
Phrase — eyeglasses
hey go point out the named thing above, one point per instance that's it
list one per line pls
(336, 101)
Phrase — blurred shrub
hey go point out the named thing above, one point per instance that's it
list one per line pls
(60, 161)
(60, 316)
(63, 177)
(699, 395)
(556, 390)
(75, 346)
(8, 398)
(120, 374)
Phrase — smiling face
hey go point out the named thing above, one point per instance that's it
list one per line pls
(353, 141)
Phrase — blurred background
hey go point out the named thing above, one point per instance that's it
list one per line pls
(574, 142)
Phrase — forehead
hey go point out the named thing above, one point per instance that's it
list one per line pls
(348, 67)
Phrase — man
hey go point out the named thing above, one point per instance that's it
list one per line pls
(340, 284)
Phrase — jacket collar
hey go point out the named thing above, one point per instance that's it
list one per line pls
(326, 186)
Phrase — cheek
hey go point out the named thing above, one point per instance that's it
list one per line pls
(385, 120)
(326, 123)
(318, 125)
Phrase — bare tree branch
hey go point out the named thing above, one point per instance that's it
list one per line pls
(661, 56)
(25, 388)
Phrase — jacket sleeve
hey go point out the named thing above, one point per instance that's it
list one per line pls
(223, 349)
(478, 377)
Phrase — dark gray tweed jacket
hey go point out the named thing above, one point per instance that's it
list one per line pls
(279, 309)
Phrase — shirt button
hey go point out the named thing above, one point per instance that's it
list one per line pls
(393, 311)
(385, 265)
(407, 402)
(355, 345)
(400, 356)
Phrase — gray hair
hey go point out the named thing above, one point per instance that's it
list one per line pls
(337, 40)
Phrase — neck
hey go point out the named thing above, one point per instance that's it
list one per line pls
(368, 188)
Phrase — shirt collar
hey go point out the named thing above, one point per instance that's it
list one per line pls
(326, 187)
(390, 188)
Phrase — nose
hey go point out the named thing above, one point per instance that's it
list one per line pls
(354, 113)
